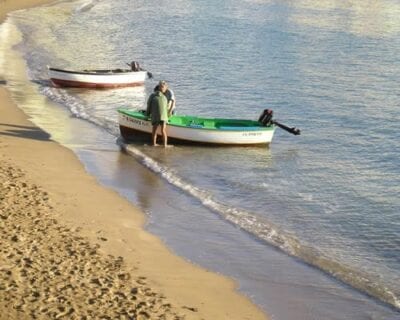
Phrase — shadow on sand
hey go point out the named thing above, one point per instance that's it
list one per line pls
(26, 132)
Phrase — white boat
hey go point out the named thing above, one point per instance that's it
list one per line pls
(98, 78)
(189, 129)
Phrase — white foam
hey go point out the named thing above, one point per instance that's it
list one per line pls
(85, 6)
(245, 220)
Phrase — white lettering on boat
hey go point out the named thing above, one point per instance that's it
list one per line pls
(247, 134)
(137, 121)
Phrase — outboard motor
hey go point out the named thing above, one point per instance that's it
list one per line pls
(266, 120)
(135, 66)
(266, 117)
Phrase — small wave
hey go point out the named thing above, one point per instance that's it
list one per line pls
(86, 6)
(78, 110)
(271, 234)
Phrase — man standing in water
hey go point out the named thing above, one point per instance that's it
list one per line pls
(157, 108)
(170, 98)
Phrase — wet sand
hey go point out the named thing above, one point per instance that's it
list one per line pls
(72, 249)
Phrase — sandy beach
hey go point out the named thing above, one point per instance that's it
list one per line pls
(72, 249)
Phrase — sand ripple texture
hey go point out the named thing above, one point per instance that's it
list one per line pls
(48, 271)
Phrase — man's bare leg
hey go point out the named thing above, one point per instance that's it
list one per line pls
(154, 135)
(164, 134)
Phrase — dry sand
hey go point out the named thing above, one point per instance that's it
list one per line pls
(72, 249)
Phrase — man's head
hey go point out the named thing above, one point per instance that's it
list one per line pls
(163, 86)
(134, 66)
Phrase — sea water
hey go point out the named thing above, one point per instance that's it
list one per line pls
(309, 228)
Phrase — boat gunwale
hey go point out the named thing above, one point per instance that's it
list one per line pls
(257, 127)
(111, 72)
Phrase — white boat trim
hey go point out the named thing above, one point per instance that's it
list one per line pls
(95, 79)
(195, 134)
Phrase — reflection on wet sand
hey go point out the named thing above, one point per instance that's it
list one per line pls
(136, 180)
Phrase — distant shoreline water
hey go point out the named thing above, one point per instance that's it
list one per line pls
(325, 198)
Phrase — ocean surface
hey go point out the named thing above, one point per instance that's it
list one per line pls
(309, 227)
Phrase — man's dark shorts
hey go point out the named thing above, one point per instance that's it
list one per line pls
(158, 123)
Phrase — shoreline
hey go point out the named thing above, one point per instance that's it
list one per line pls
(74, 248)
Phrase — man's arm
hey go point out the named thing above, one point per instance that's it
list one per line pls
(171, 102)
(149, 100)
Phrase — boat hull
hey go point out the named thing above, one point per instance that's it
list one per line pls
(137, 129)
(110, 79)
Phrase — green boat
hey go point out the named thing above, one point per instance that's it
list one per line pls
(199, 130)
